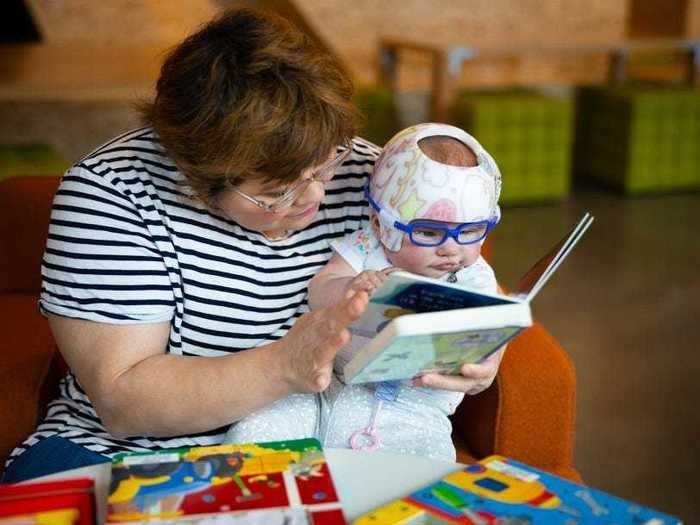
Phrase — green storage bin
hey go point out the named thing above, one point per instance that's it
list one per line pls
(529, 134)
(30, 159)
(378, 106)
(639, 139)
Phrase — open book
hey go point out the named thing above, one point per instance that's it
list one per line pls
(419, 325)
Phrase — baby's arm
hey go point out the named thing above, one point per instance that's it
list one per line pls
(338, 278)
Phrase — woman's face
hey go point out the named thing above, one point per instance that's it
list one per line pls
(275, 224)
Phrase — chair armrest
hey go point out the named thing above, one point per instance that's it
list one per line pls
(528, 414)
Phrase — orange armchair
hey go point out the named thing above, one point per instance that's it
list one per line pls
(527, 414)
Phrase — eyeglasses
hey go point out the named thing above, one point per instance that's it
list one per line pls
(431, 233)
(323, 174)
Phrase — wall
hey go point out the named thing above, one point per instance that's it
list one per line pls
(693, 19)
(355, 31)
(96, 50)
(102, 49)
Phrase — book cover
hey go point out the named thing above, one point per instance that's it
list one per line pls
(275, 482)
(499, 490)
(59, 502)
(415, 325)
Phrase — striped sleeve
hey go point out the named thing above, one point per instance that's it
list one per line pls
(101, 261)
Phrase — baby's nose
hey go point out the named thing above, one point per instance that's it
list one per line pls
(448, 247)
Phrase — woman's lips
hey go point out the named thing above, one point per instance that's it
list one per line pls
(311, 210)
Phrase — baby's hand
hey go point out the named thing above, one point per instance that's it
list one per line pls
(368, 281)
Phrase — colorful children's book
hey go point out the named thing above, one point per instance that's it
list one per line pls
(498, 490)
(60, 502)
(415, 325)
(277, 482)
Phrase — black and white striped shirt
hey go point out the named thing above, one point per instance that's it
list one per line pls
(127, 245)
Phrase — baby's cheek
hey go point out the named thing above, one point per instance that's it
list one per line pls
(470, 253)
(410, 257)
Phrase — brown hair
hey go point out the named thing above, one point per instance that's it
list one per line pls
(448, 150)
(249, 96)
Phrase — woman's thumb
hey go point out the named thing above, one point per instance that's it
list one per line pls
(351, 308)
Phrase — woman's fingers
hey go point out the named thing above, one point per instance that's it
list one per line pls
(485, 369)
(474, 378)
(342, 314)
(315, 339)
(469, 386)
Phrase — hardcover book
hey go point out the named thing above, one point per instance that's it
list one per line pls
(415, 325)
(59, 502)
(498, 490)
(277, 482)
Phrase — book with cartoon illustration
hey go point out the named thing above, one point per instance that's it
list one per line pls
(276, 482)
(414, 324)
(501, 490)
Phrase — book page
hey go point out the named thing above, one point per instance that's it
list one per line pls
(404, 293)
(535, 278)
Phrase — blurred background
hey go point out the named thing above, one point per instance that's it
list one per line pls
(585, 104)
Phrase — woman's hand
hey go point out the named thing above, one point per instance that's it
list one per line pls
(311, 344)
(473, 379)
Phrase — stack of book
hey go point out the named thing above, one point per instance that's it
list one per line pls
(61, 502)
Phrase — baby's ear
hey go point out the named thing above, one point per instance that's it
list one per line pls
(374, 222)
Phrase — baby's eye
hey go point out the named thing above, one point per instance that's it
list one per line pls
(426, 232)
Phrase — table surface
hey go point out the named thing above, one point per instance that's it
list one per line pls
(364, 480)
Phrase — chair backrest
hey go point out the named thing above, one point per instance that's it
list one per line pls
(29, 364)
(25, 207)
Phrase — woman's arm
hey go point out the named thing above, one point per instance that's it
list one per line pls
(139, 389)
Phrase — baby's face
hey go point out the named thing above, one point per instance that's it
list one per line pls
(434, 261)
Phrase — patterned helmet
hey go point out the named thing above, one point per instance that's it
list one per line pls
(407, 184)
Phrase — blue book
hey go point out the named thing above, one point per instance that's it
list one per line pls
(502, 491)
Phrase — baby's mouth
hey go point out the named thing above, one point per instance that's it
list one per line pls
(448, 267)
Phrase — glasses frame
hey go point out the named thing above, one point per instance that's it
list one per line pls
(447, 231)
(290, 195)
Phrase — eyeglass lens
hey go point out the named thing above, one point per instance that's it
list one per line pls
(323, 174)
(436, 235)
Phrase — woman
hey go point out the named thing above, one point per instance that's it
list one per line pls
(174, 248)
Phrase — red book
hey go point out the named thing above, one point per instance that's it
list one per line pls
(64, 502)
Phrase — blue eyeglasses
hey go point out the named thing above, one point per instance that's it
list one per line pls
(432, 233)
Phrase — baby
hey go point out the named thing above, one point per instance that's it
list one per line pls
(433, 198)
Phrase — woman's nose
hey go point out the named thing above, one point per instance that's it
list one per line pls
(312, 193)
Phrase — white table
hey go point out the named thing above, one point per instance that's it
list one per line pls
(364, 480)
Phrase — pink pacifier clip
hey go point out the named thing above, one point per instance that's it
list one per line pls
(369, 433)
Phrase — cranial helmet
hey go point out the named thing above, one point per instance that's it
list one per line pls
(407, 184)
